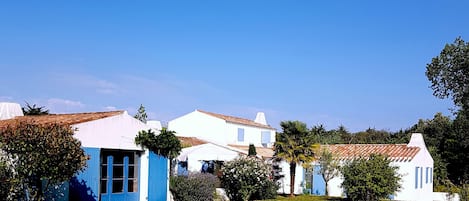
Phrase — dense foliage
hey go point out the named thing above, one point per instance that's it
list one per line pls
(296, 145)
(165, 144)
(34, 110)
(40, 153)
(252, 150)
(370, 179)
(248, 178)
(194, 187)
(449, 73)
(141, 114)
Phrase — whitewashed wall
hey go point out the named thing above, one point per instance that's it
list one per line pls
(115, 132)
(285, 181)
(252, 135)
(200, 125)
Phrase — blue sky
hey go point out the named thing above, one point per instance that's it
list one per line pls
(354, 63)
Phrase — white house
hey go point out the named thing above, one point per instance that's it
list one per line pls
(413, 159)
(117, 169)
(224, 129)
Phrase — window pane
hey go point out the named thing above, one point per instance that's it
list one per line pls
(118, 158)
(104, 171)
(117, 186)
(132, 172)
(131, 158)
(118, 171)
(132, 185)
(103, 186)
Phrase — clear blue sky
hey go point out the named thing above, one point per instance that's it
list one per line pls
(356, 63)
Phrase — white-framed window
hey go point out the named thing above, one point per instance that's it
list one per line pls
(265, 138)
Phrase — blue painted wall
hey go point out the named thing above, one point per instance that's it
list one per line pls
(85, 186)
(319, 185)
(158, 180)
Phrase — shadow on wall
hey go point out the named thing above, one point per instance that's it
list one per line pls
(79, 191)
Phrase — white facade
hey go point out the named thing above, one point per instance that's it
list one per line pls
(284, 182)
(416, 175)
(218, 130)
(115, 132)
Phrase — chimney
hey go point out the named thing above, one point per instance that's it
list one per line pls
(10, 110)
(260, 118)
(417, 141)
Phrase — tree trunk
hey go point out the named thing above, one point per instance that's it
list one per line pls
(292, 178)
(327, 189)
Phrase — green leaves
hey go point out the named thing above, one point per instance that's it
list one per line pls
(246, 176)
(449, 73)
(165, 144)
(42, 151)
(370, 178)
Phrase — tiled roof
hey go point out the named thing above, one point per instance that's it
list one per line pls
(262, 151)
(237, 120)
(395, 152)
(68, 119)
(191, 141)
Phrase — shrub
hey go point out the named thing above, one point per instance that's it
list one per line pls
(370, 178)
(246, 178)
(194, 187)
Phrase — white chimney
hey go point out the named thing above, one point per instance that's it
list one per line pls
(417, 141)
(10, 110)
(260, 118)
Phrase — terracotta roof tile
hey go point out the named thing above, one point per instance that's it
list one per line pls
(191, 141)
(237, 120)
(69, 119)
(262, 151)
(395, 152)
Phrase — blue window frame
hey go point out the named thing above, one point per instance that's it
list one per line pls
(119, 175)
(240, 134)
(416, 177)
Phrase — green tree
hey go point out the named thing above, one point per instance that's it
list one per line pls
(34, 110)
(449, 73)
(252, 150)
(296, 145)
(370, 179)
(141, 114)
(41, 154)
(246, 177)
(329, 167)
(165, 144)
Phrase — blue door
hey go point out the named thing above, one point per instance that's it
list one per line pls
(119, 176)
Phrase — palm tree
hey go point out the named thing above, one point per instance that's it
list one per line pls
(34, 110)
(296, 146)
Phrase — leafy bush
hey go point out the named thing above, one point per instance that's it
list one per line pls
(194, 187)
(247, 178)
(41, 152)
(370, 178)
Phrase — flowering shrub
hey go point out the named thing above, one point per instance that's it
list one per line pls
(247, 178)
(195, 187)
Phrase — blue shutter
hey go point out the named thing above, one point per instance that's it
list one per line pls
(426, 175)
(265, 137)
(240, 134)
(431, 175)
(416, 177)
(421, 177)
